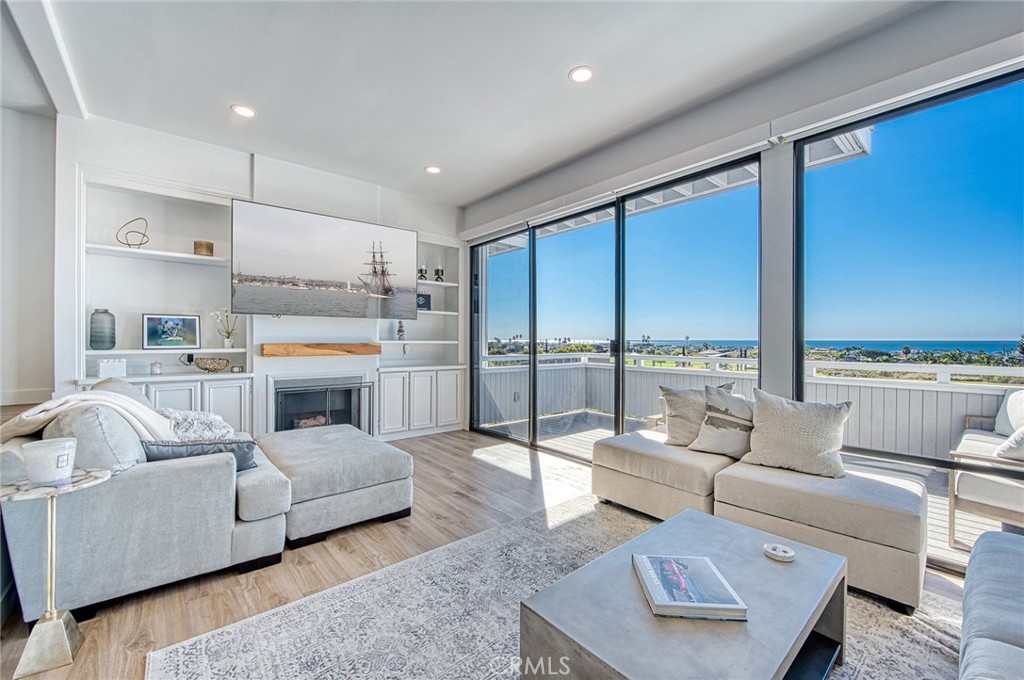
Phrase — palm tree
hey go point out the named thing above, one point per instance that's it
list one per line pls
(906, 351)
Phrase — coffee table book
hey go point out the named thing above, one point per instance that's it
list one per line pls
(687, 587)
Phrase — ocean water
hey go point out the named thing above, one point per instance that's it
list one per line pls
(989, 346)
(292, 302)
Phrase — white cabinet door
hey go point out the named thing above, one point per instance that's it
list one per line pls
(230, 400)
(421, 400)
(449, 398)
(394, 410)
(183, 396)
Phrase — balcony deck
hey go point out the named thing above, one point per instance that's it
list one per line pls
(575, 433)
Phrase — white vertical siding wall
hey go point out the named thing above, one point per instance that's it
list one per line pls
(925, 420)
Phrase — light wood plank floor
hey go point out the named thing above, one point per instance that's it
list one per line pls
(465, 483)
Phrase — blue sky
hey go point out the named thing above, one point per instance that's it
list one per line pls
(923, 239)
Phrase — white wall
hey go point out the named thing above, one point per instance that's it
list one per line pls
(26, 324)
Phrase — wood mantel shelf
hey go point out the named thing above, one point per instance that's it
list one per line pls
(318, 349)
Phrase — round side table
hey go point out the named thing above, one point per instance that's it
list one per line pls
(55, 639)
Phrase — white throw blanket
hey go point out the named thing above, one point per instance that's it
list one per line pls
(145, 421)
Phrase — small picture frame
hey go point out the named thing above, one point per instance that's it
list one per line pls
(170, 331)
(423, 301)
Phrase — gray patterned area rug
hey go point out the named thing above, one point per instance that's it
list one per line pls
(454, 613)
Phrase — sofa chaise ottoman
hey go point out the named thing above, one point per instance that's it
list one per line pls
(878, 523)
(339, 476)
(640, 471)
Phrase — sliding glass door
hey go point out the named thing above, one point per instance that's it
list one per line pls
(575, 325)
(691, 287)
(657, 288)
(501, 337)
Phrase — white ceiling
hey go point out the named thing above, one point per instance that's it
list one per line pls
(22, 89)
(376, 91)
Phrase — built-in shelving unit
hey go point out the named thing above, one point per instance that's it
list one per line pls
(436, 337)
(163, 276)
(156, 255)
(438, 284)
(423, 377)
(170, 377)
(140, 352)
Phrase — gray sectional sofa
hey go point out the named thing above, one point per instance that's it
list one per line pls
(151, 524)
(159, 521)
(992, 637)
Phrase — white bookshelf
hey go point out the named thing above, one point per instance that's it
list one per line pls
(436, 337)
(161, 277)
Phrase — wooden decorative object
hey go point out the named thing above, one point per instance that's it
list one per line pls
(318, 349)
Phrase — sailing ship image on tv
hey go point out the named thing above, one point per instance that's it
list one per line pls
(288, 262)
(379, 285)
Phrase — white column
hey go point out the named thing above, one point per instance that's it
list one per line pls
(778, 267)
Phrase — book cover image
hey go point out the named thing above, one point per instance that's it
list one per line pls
(690, 587)
(689, 581)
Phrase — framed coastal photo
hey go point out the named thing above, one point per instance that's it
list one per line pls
(170, 331)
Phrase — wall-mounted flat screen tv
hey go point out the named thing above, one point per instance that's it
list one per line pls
(293, 263)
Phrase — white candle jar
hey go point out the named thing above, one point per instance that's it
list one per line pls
(49, 462)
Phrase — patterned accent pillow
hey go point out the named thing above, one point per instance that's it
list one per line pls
(197, 426)
(726, 428)
(795, 435)
(684, 412)
(1013, 447)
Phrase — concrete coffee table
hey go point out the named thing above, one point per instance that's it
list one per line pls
(596, 623)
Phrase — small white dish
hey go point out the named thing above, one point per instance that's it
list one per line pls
(779, 552)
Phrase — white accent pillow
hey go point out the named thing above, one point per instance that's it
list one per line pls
(1012, 448)
(1010, 417)
(795, 435)
(726, 428)
(684, 411)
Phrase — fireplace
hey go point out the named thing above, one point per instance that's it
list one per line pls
(314, 402)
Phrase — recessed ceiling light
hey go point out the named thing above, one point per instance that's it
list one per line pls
(243, 110)
(433, 169)
(581, 74)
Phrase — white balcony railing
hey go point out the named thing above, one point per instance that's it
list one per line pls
(922, 416)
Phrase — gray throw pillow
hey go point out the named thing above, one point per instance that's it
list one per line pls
(726, 428)
(105, 439)
(1013, 447)
(241, 448)
(684, 412)
(1011, 412)
(794, 435)
(124, 388)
